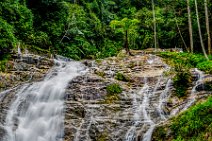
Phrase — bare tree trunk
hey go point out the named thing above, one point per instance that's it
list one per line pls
(154, 21)
(190, 27)
(200, 33)
(187, 49)
(207, 26)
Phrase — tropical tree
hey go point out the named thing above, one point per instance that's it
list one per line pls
(126, 27)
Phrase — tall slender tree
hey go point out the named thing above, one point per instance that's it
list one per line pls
(190, 27)
(207, 26)
(154, 22)
(199, 29)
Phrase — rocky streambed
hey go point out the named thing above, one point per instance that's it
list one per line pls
(92, 112)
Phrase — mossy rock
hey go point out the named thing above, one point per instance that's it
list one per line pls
(122, 77)
(100, 73)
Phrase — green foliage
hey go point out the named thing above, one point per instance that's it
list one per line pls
(95, 28)
(120, 76)
(205, 66)
(3, 65)
(7, 38)
(181, 82)
(113, 89)
(188, 60)
(194, 124)
(126, 26)
(181, 63)
(18, 16)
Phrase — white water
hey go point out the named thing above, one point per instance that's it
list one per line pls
(19, 51)
(142, 105)
(193, 95)
(163, 99)
(37, 114)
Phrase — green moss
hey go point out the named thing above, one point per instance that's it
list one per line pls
(103, 136)
(159, 134)
(120, 76)
(100, 73)
(3, 66)
(110, 99)
(113, 89)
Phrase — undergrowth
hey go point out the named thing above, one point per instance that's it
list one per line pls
(195, 124)
(189, 60)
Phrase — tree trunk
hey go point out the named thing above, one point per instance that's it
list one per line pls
(200, 33)
(187, 49)
(207, 26)
(126, 44)
(154, 22)
(190, 27)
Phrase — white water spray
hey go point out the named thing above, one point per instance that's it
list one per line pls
(37, 114)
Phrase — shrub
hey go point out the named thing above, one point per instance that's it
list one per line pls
(182, 79)
(205, 66)
(189, 60)
(120, 76)
(3, 65)
(114, 89)
(181, 83)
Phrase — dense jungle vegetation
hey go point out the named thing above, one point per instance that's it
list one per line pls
(100, 28)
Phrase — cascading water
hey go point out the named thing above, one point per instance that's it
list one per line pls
(37, 113)
(142, 113)
(193, 91)
(192, 96)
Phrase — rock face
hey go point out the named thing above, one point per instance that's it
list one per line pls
(92, 114)
(27, 67)
(147, 99)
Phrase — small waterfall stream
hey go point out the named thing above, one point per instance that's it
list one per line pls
(192, 96)
(37, 113)
(144, 106)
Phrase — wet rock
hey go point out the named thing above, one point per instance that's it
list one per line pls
(28, 67)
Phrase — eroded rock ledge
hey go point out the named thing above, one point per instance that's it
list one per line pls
(27, 67)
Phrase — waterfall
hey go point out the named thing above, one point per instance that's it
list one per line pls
(142, 103)
(19, 51)
(193, 95)
(37, 113)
